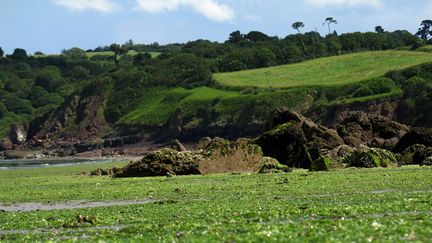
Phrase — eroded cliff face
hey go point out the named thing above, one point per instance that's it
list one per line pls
(82, 119)
(78, 119)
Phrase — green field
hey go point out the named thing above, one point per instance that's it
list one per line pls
(110, 53)
(337, 70)
(353, 205)
(105, 53)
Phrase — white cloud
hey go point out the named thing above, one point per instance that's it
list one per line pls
(209, 8)
(325, 3)
(82, 5)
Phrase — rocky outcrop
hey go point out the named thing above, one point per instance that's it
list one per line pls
(360, 129)
(80, 118)
(371, 158)
(219, 156)
(18, 134)
(427, 162)
(422, 136)
(297, 141)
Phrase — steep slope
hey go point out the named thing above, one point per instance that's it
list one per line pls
(79, 118)
(189, 114)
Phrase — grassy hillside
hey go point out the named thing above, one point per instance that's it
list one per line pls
(335, 70)
(211, 108)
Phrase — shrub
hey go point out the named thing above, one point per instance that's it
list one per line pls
(3, 110)
(50, 78)
(18, 106)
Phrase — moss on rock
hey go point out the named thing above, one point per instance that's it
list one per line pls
(427, 162)
(371, 158)
(323, 163)
(271, 166)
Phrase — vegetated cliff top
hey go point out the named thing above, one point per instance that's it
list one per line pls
(336, 70)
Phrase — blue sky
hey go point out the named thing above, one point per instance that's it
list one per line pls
(52, 25)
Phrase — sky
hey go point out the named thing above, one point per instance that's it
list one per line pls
(53, 25)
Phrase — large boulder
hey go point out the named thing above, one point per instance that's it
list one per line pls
(360, 129)
(427, 162)
(272, 166)
(219, 156)
(161, 163)
(18, 134)
(6, 144)
(407, 156)
(422, 155)
(297, 141)
(373, 157)
(417, 135)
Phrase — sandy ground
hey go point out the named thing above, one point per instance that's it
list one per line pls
(27, 207)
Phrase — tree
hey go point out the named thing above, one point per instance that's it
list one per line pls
(75, 54)
(297, 26)
(255, 36)
(379, 29)
(425, 30)
(129, 45)
(1, 52)
(235, 37)
(19, 54)
(118, 51)
(329, 21)
(50, 78)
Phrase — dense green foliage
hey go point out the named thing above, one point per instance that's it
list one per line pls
(347, 205)
(182, 74)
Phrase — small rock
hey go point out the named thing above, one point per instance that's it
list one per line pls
(177, 145)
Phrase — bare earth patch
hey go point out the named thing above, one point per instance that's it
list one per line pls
(27, 207)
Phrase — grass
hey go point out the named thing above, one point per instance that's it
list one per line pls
(105, 53)
(427, 48)
(337, 70)
(357, 205)
(157, 105)
(110, 53)
(196, 106)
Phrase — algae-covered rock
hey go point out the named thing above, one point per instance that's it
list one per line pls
(298, 141)
(371, 158)
(427, 162)
(421, 155)
(162, 163)
(271, 166)
(408, 154)
(219, 156)
(323, 163)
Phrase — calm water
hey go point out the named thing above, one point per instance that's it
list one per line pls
(38, 163)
